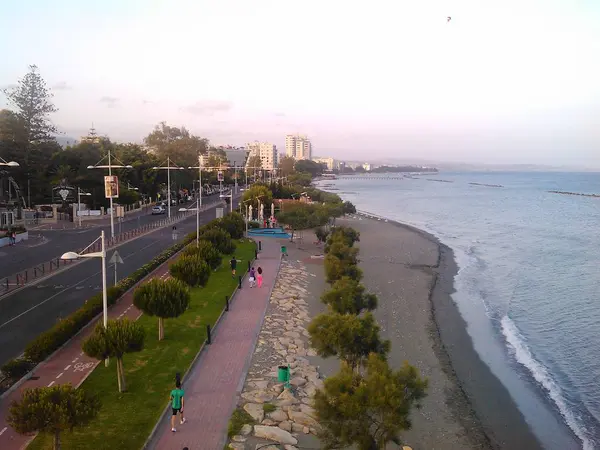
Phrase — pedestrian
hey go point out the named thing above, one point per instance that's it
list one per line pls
(233, 265)
(252, 278)
(259, 277)
(14, 237)
(177, 404)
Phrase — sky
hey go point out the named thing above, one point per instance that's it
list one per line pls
(501, 82)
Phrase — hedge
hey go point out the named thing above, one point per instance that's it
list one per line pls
(50, 341)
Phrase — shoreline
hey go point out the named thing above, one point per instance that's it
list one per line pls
(476, 398)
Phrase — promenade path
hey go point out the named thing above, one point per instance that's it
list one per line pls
(217, 377)
(67, 365)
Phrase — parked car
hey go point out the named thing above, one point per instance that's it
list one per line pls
(158, 210)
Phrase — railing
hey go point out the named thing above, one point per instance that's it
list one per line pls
(20, 279)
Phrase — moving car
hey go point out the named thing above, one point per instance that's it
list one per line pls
(158, 210)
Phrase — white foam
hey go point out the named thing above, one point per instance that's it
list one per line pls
(542, 376)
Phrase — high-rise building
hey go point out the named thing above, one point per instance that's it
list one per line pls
(266, 151)
(298, 147)
(329, 163)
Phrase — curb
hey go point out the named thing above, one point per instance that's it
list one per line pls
(215, 327)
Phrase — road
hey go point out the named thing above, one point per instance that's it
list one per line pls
(36, 308)
(21, 257)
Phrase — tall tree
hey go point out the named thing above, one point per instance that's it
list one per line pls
(119, 337)
(348, 296)
(351, 338)
(52, 410)
(253, 163)
(308, 166)
(367, 412)
(177, 143)
(258, 192)
(162, 298)
(286, 165)
(33, 105)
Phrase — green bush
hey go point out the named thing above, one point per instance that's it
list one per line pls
(234, 224)
(17, 368)
(253, 224)
(206, 251)
(191, 269)
(220, 239)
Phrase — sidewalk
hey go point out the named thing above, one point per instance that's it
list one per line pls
(67, 365)
(217, 377)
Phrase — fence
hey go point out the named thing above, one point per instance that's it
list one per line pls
(20, 279)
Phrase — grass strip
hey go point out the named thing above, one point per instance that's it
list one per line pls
(126, 419)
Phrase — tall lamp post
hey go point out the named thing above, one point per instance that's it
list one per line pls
(168, 168)
(4, 163)
(69, 256)
(79, 194)
(110, 167)
(198, 199)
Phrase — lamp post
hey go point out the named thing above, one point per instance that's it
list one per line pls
(69, 256)
(198, 199)
(79, 194)
(110, 167)
(4, 163)
(168, 168)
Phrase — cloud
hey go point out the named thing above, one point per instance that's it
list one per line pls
(111, 102)
(279, 114)
(62, 86)
(208, 107)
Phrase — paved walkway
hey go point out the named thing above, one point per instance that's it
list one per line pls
(217, 377)
(68, 365)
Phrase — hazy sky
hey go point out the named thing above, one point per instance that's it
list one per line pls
(505, 81)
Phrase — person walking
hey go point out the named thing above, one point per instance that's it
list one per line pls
(259, 277)
(177, 404)
(233, 265)
(252, 277)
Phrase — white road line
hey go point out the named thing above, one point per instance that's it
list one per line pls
(75, 360)
(51, 383)
(59, 375)
(81, 354)
(3, 430)
(67, 368)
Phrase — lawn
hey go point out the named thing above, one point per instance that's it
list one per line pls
(126, 420)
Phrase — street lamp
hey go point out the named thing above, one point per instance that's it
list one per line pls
(8, 164)
(168, 168)
(198, 198)
(79, 194)
(70, 256)
(110, 167)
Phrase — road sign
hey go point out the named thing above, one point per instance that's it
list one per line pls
(220, 175)
(111, 187)
(116, 258)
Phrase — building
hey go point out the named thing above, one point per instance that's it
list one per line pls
(92, 137)
(298, 147)
(367, 167)
(329, 163)
(267, 153)
(234, 157)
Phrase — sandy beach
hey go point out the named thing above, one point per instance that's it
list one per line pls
(412, 274)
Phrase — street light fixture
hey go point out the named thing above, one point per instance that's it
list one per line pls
(198, 199)
(110, 166)
(168, 168)
(3, 162)
(70, 256)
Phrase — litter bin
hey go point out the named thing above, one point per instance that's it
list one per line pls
(283, 250)
(283, 375)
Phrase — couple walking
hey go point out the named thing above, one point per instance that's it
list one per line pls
(256, 277)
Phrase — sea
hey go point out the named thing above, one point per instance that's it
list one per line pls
(528, 284)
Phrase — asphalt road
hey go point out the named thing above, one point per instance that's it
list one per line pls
(21, 257)
(34, 309)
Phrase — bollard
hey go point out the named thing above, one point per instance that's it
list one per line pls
(248, 266)
(208, 340)
(255, 254)
(226, 303)
(239, 282)
(259, 246)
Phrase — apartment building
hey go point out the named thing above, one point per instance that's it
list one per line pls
(329, 163)
(298, 147)
(266, 151)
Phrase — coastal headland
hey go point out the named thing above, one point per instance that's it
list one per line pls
(412, 274)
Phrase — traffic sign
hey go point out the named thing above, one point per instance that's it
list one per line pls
(116, 258)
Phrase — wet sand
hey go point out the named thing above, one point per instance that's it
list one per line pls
(412, 274)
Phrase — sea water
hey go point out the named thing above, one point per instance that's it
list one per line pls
(528, 284)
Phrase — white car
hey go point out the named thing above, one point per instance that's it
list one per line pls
(158, 210)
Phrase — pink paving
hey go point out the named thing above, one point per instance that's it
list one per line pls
(67, 365)
(217, 377)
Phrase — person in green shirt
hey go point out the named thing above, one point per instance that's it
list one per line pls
(177, 404)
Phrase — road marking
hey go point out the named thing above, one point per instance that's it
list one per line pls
(51, 383)
(67, 368)
(59, 375)
(81, 354)
(3, 430)
(75, 360)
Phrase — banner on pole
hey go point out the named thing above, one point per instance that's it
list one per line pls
(111, 187)
(220, 176)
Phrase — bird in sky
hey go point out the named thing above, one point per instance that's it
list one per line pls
(449, 18)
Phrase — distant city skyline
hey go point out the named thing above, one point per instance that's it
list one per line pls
(504, 82)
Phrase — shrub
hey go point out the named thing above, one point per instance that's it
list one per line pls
(349, 208)
(346, 235)
(348, 296)
(321, 234)
(192, 270)
(206, 251)
(17, 368)
(253, 224)
(234, 224)
(336, 268)
(220, 239)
